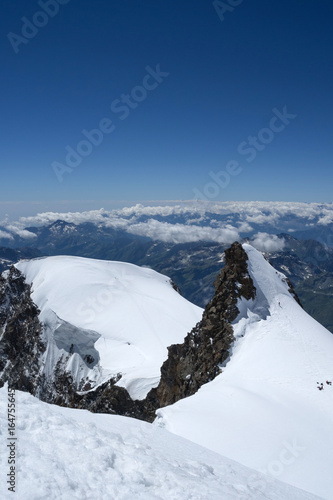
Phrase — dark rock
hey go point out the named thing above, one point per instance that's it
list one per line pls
(21, 342)
(198, 360)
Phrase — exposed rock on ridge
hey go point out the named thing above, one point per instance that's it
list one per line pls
(198, 360)
(21, 342)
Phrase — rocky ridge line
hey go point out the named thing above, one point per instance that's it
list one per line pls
(198, 360)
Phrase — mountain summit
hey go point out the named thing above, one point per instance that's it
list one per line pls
(249, 377)
(271, 407)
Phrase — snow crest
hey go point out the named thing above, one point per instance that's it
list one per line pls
(135, 313)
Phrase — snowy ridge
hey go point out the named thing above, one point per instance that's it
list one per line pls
(69, 454)
(121, 319)
(265, 409)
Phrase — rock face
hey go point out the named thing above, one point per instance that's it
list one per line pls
(112, 399)
(198, 360)
(21, 343)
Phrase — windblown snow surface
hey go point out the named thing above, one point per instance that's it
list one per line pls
(122, 315)
(73, 454)
(265, 409)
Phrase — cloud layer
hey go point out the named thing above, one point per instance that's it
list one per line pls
(222, 222)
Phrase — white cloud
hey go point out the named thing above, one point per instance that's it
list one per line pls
(326, 219)
(200, 220)
(245, 227)
(5, 235)
(259, 212)
(181, 233)
(17, 231)
(260, 218)
(268, 242)
(95, 216)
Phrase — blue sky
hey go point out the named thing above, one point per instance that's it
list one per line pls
(219, 78)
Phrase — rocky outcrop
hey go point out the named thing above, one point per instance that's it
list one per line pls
(21, 343)
(112, 399)
(199, 359)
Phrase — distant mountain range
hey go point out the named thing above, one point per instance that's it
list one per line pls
(222, 222)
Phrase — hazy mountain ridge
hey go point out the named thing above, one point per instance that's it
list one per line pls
(9, 256)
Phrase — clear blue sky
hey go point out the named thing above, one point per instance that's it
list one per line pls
(225, 78)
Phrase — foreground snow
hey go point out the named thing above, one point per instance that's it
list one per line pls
(123, 315)
(265, 409)
(73, 454)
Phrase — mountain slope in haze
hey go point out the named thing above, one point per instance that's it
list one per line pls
(107, 320)
(65, 454)
(309, 265)
(317, 298)
(266, 409)
(9, 256)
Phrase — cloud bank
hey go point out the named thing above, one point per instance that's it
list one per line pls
(180, 233)
(222, 222)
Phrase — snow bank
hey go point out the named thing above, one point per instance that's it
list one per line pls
(133, 314)
(65, 454)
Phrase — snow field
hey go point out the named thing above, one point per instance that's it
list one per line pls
(134, 311)
(265, 410)
(65, 454)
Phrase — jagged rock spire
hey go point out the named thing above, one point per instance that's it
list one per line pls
(198, 360)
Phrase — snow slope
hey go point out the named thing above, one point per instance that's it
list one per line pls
(73, 454)
(122, 315)
(265, 410)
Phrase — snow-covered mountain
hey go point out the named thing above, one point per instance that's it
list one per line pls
(65, 454)
(271, 408)
(106, 320)
(249, 377)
